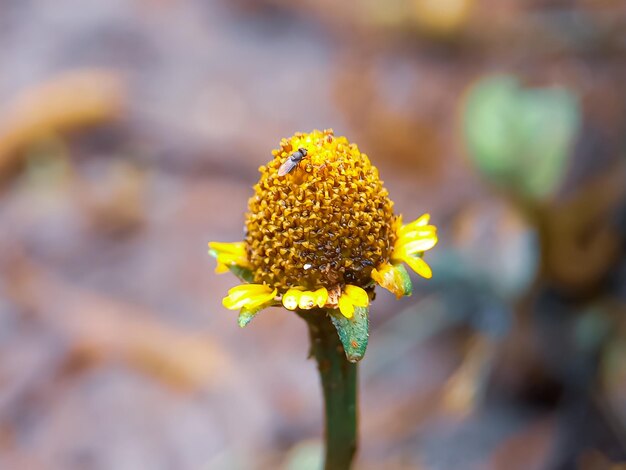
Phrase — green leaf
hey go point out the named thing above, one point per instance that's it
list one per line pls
(353, 332)
(521, 139)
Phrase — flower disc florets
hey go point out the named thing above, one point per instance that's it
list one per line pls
(327, 223)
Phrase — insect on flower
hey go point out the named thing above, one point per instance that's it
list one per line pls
(292, 161)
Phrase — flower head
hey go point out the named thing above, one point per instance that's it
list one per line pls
(325, 224)
(321, 232)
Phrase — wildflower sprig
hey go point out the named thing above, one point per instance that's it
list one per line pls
(323, 235)
(320, 234)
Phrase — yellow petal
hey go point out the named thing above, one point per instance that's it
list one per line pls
(393, 278)
(415, 233)
(232, 260)
(419, 266)
(291, 299)
(345, 306)
(379, 276)
(357, 296)
(235, 302)
(233, 248)
(416, 246)
(307, 300)
(248, 295)
(221, 268)
(230, 253)
(249, 289)
(421, 220)
(227, 258)
(321, 296)
(384, 275)
(261, 299)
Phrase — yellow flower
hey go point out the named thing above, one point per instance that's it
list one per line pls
(413, 240)
(321, 232)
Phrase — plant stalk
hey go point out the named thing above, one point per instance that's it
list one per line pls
(339, 384)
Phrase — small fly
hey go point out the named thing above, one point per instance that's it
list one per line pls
(292, 161)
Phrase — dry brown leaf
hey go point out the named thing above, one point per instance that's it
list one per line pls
(462, 391)
(114, 203)
(102, 328)
(67, 102)
(581, 232)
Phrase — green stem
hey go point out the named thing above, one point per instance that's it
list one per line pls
(339, 383)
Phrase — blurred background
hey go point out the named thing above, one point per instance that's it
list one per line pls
(130, 135)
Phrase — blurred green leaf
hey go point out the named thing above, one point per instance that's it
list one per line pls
(591, 330)
(520, 139)
(353, 332)
(306, 455)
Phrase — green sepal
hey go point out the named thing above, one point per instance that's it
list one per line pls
(353, 332)
(404, 280)
(242, 273)
(246, 315)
